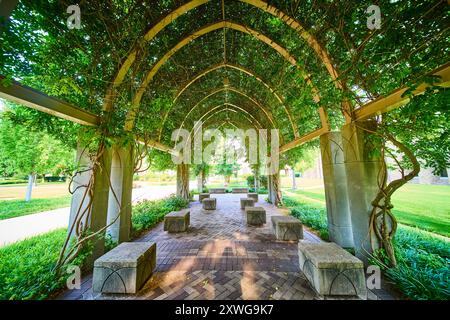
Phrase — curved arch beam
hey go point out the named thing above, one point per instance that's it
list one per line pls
(264, 6)
(252, 124)
(214, 92)
(207, 29)
(212, 114)
(246, 71)
(233, 107)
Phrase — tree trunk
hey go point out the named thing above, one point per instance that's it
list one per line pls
(294, 183)
(183, 181)
(256, 182)
(31, 178)
(277, 190)
(227, 180)
(274, 190)
(200, 181)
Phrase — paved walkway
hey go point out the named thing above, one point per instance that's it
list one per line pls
(16, 229)
(219, 257)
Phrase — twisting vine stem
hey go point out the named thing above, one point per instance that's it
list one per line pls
(383, 223)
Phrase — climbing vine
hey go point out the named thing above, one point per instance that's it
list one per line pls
(80, 66)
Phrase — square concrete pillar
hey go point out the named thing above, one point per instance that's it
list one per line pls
(119, 204)
(95, 218)
(336, 193)
(247, 202)
(362, 167)
(209, 203)
(124, 269)
(287, 228)
(256, 216)
(331, 270)
(177, 221)
(202, 196)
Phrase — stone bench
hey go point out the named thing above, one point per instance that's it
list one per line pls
(177, 221)
(202, 196)
(256, 216)
(209, 204)
(331, 270)
(239, 190)
(247, 202)
(253, 196)
(124, 269)
(217, 190)
(287, 228)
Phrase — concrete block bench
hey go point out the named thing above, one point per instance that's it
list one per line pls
(253, 196)
(202, 196)
(177, 221)
(217, 190)
(209, 203)
(256, 216)
(124, 269)
(287, 228)
(247, 202)
(331, 270)
(239, 190)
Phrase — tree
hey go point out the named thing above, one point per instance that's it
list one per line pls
(201, 171)
(29, 152)
(227, 170)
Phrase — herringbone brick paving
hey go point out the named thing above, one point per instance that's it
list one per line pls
(220, 257)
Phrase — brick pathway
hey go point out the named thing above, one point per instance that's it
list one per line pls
(220, 257)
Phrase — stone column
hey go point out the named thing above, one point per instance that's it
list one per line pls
(426, 176)
(336, 194)
(294, 183)
(120, 200)
(269, 189)
(183, 181)
(362, 168)
(99, 202)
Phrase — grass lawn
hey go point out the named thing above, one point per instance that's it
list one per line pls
(424, 206)
(15, 208)
(25, 267)
(41, 191)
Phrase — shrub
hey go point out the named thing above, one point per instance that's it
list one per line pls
(12, 181)
(263, 191)
(422, 270)
(262, 181)
(147, 213)
(312, 217)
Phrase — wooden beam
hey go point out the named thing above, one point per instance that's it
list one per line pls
(6, 8)
(157, 145)
(395, 99)
(37, 100)
(299, 141)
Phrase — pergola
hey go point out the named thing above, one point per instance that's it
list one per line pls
(293, 80)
